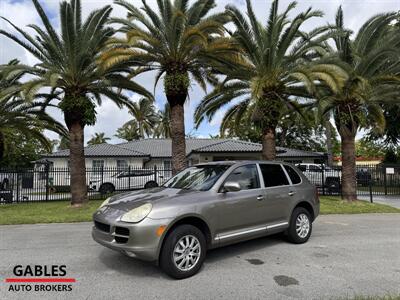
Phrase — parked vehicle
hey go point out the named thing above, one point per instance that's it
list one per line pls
(125, 180)
(5, 180)
(320, 174)
(364, 177)
(204, 207)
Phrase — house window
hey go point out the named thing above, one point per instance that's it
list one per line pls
(122, 165)
(167, 165)
(98, 164)
(167, 172)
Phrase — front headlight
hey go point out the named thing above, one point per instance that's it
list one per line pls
(105, 202)
(137, 214)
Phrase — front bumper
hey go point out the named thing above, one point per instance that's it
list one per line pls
(138, 240)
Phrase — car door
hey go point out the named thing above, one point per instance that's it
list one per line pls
(240, 212)
(277, 193)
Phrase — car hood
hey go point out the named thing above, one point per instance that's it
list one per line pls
(131, 200)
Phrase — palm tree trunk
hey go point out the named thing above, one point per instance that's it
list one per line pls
(329, 145)
(269, 144)
(178, 138)
(77, 165)
(349, 184)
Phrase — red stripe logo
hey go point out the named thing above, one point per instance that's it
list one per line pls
(54, 279)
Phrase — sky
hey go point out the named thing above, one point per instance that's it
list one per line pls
(109, 116)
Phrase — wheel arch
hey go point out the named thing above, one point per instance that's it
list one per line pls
(191, 219)
(306, 205)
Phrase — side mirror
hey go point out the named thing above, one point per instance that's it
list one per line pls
(231, 186)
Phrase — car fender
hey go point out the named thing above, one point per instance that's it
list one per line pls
(177, 220)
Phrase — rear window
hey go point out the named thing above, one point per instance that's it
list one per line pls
(294, 177)
(273, 175)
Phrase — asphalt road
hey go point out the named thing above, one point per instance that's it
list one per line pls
(347, 255)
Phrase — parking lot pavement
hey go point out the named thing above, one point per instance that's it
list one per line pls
(347, 255)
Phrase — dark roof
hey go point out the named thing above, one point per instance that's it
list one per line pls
(162, 148)
(102, 150)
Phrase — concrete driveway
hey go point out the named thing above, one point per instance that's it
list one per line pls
(347, 255)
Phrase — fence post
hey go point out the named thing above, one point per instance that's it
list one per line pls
(47, 169)
(17, 181)
(384, 180)
(155, 173)
(370, 192)
(102, 174)
(129, 177)
(323, 179)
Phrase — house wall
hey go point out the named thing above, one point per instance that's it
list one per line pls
(361, 162)
(61, 176)
(109, 162)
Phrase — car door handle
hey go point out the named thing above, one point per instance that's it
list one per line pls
(260, 197)
(291, 193)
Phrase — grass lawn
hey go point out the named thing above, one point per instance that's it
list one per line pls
(334, 205)
(61, 212)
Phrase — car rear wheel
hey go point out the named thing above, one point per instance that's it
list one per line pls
(150, 184)
(300, 227)
(106, 188)
(183, 252)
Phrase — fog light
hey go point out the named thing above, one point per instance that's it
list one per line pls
(160, 230)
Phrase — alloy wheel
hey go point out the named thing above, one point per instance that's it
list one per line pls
(186, 253)
(302, 225)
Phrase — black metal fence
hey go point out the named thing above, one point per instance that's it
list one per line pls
(50, 184)
(372, 180)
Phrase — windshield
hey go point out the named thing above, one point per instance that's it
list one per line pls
(199, 178)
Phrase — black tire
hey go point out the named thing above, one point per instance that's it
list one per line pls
(150, 184)
(167, 263)
(292, 234)
(106, 188)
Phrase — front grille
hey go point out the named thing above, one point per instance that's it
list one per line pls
(122, 231)
(102, 226)
(121, 235)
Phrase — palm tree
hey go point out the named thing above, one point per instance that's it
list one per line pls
(68, 68)
(174, 42)
(64, 143)
(372, 64)
(144, 116)
(98, 138)
(276, 63)
(128, 132)
(20, 117)
(163, 128)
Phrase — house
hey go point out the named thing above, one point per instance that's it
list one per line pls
(148, 153)
(361, 160)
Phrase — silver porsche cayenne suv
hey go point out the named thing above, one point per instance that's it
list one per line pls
(207, 206)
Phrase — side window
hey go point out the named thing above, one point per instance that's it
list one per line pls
(314, 168)
(302, 168)
(294, 177)
(246, 176)
(273, 175)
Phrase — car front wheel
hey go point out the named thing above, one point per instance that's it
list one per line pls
(183, 252)
(300, 227)
(106, 188)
